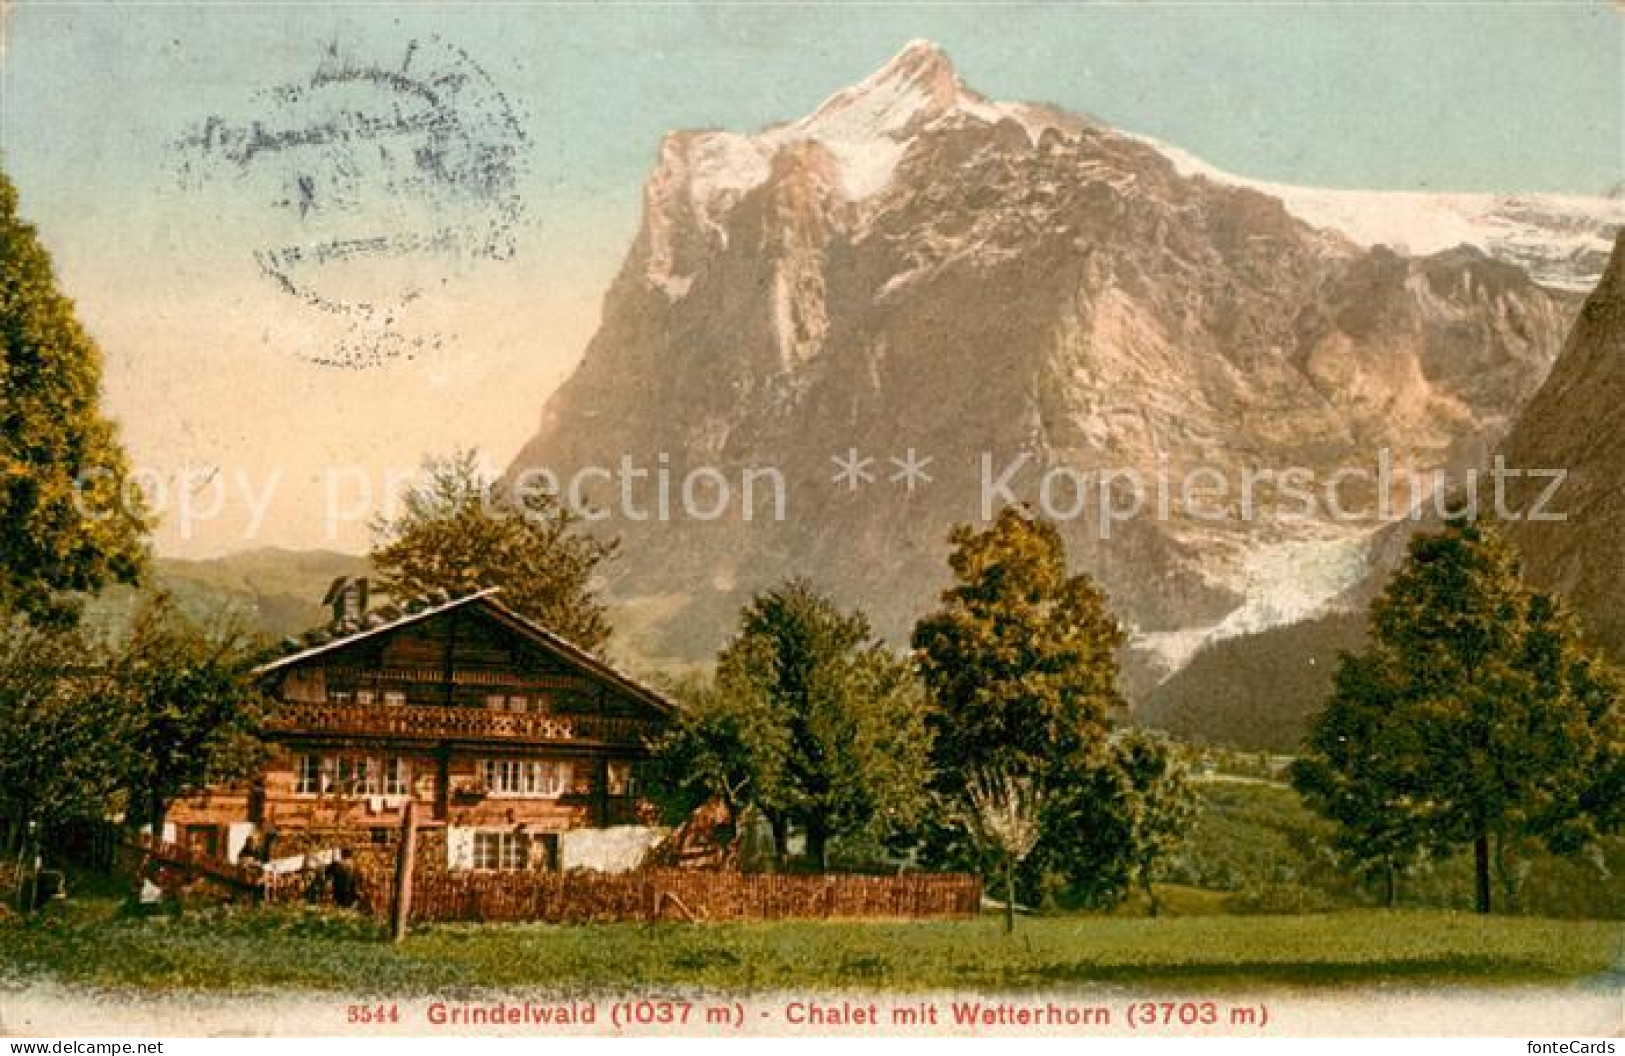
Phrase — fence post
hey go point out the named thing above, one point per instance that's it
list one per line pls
(405, 861)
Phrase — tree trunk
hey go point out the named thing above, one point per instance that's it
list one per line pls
(781, 837)
(1481, 873)
(818, 844)
(1009, 895)
(1505, 872)
(22, 896)
(1151, 893)
(1390, 885)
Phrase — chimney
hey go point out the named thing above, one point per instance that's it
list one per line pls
(347, 598)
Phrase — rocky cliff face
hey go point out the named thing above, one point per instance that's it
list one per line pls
(1576, 424)
(916, 268)
(1261, 690)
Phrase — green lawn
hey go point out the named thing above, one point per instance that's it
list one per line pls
(242, 949)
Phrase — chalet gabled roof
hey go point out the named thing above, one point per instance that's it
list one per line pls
(422, 610)
(567, 649)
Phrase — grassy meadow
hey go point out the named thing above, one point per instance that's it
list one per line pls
(282, 948)
(1255, 900)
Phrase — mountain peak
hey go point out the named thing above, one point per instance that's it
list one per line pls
(920, 61)
(919, 82)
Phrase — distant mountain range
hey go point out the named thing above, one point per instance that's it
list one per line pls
(275, 592)
(916, 268)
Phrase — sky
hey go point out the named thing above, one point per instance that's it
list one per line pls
(223, 376)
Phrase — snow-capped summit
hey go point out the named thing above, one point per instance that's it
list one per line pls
(919, 82)
(866, 128)
(1562, 240)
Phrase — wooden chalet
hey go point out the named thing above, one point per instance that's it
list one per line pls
(524, 748)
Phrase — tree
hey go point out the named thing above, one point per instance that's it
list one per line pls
(1021, 658)
(1475, 717)
(713, 750)
(192, 709)
(810, 721)
(1357, 773)
(1020, 662)
(884, 753)
(850, 732)
(1157, 806)
(69, 523)
(461, 531)
(62, 731)
(1005, 816)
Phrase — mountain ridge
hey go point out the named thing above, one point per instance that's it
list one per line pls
(1021, 284)
(1574, 424)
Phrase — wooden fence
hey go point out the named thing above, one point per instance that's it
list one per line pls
(670, 894)
(582, 896)
(142, 849)
(173, 866)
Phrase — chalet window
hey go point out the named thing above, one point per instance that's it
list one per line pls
(357, 776)
(516, 703)
(502, 776)
(339, 696)
(397, 776)
(620, 778)
(495, 701)
(514, 850)
(309, 781)
(352, 775)
(552, 779)
(394, 698)
(499, 850)
(363, 696)
(526, 777)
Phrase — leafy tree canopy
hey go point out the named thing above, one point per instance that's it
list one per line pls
(69, 523)
(810, 721)
(1476, 716)
(1021, 657)
(462, 531)
(191, 709)
(1021, 663)
(63, 730)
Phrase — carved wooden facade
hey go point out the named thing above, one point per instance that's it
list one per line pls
(503, 733)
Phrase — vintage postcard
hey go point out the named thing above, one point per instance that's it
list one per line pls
(844, 519)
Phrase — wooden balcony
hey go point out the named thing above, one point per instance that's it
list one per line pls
(428, 676)
(419, 722)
